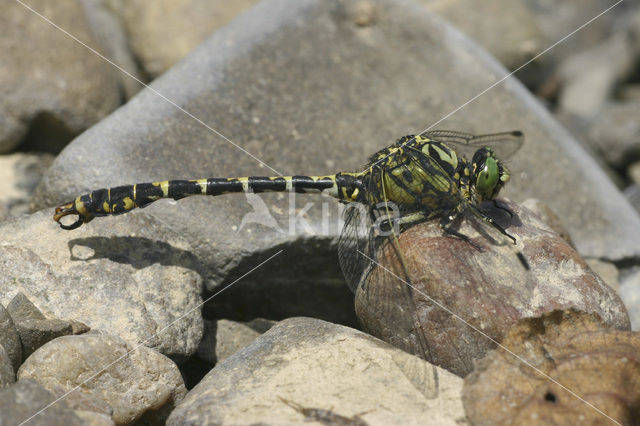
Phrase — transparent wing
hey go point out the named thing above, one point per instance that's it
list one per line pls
(505, 144)
(354, 240)
(364, 252)
(388, 269)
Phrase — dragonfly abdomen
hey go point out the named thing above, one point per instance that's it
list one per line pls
(120, 199)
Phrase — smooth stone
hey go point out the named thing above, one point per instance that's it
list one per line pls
(589, 77)
(342, 373)
(53, 87)
(615, 133)
(131, 380)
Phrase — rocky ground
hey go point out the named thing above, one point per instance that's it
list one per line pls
(189, 312)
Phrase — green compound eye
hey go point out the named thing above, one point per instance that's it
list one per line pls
(488, 178)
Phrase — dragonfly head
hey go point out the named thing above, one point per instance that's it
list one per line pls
(77, 208)
(489, 174)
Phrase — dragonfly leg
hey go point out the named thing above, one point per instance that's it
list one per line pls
(445, 222)
(493, 223)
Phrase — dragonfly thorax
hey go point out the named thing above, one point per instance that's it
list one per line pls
(418, 173)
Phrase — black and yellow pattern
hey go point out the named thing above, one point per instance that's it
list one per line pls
(422, 175)
(121, 199)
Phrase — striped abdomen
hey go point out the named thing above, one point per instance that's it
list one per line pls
(120, 199)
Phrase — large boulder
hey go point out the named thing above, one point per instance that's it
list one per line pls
(314, 87)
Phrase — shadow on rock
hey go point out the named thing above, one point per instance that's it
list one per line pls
(139, 252)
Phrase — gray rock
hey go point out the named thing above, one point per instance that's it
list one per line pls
(615, 133)
(632, 193)
(303, 362)
(26, 401)
(9, 338)
(132, 380)
(32, 326)
(163, 32)
(140, 282)
(357, 90)
(20, 173)
(556, 20)
(107, 26)
(223, 338)
(507, 29)
(7, 373)
(53, 87)
(589, 77)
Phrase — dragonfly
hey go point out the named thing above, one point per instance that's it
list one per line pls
(418, 178)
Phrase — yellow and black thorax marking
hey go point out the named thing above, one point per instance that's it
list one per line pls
(416, 173)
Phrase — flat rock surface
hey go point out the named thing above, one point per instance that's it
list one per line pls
(309, 88)
(125, 283)
(340, 372)
(129, 380)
